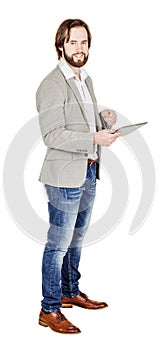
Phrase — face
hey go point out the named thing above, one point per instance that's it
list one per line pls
(76, 50)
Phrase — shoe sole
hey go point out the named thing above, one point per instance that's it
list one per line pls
(67, 305)
(83, 307)
(43, 324)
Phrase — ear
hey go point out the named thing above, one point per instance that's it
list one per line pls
(61, 49)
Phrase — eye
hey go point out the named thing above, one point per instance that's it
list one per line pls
(85, 42)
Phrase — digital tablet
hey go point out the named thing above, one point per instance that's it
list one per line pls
(127, 129)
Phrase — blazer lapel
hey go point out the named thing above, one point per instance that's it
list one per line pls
(90, 88)
(76, 93)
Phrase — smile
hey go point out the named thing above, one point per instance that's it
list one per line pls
(79, 55)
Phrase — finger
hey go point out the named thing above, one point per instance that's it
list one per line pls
(112, 120)
(112, 131)
(118, 133)
(113, 116)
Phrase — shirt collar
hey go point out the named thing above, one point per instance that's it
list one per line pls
(69, 72)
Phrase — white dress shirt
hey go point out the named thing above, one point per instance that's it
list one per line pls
(85, 95)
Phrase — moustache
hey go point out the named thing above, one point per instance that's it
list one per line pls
(79, 53)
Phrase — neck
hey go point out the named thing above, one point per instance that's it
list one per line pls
(76, 71)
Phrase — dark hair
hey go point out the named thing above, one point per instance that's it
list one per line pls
(63, 33)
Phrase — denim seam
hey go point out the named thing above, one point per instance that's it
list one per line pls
(69, 271)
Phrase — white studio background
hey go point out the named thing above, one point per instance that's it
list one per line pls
(121, 269)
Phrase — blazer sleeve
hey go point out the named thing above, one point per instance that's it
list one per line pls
(50, 101)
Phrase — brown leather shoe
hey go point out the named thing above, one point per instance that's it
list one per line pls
(82, 300)
(57, 322)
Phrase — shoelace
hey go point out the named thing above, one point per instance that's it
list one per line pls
(60, 316)
(84, 296)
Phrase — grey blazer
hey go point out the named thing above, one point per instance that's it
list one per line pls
(65, 130)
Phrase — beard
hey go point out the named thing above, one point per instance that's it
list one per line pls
(79, 62)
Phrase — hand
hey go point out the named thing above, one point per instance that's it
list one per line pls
(109, 116)
(105, 137)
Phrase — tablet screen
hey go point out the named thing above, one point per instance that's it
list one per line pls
(127, 129)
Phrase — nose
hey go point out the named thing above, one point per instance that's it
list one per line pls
(79, 47)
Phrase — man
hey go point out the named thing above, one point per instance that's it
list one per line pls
(73, 132)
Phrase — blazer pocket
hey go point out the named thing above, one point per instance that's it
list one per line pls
(54, 154)
(80, 155)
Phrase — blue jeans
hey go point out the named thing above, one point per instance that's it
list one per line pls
(69, 215)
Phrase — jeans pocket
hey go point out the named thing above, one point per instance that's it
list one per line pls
(70, 194)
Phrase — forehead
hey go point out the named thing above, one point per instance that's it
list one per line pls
(78, 33)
